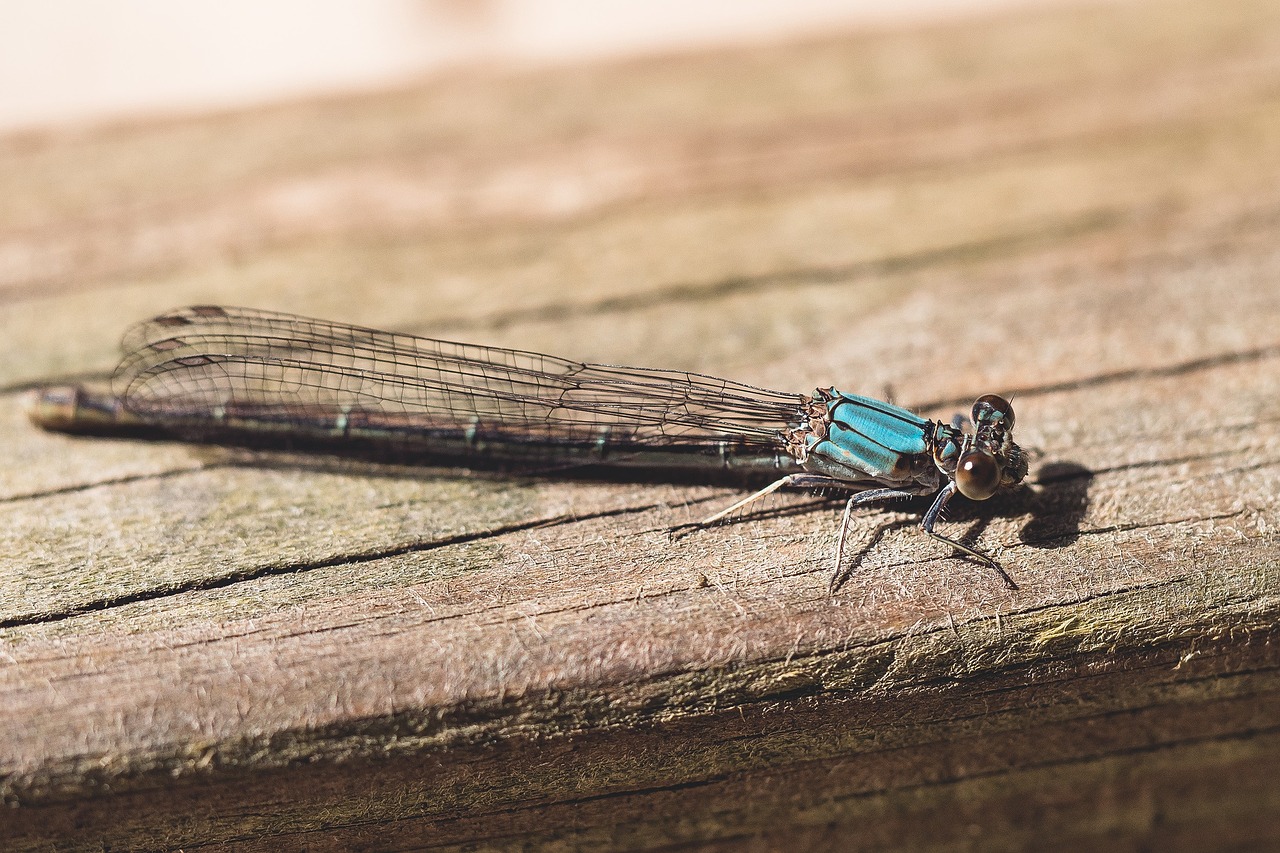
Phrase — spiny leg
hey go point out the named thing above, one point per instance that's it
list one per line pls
(857, 500)
(931, 518)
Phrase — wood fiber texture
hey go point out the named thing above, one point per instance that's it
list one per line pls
(1076, 206)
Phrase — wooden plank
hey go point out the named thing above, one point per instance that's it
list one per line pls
(204, 647)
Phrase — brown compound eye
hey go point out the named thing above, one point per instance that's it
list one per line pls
(977, 475)
(993, 407)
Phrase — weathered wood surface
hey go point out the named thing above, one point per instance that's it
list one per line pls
(1080, 207)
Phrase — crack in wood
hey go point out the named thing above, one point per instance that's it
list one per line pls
(1134, 374)
(232, 578)
(839, 274)
(114, 481)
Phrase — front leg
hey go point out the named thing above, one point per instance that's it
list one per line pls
(931, 518)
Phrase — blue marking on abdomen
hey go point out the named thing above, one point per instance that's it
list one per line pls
(888, 425)
(868, 435)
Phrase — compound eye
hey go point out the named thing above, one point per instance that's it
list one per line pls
(993, 407)
(977, 475)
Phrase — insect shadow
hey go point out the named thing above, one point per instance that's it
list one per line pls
(1057, 506)
(1056, 502)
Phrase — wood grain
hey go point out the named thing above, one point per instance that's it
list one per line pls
(1076, 206)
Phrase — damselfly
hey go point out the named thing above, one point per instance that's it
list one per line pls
(235, 375)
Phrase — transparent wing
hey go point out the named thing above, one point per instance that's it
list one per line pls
(191, 363)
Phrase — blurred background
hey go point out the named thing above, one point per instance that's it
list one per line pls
(77, 60)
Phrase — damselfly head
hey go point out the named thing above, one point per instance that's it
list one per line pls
(991, 459)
